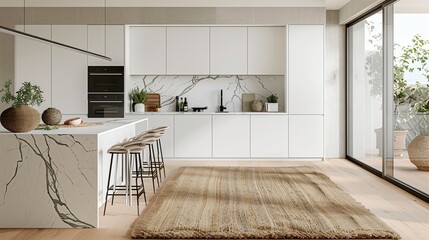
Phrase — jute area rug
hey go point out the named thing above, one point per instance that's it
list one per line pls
(256, 203)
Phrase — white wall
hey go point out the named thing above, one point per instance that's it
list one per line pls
(355, 8)
(335, 87)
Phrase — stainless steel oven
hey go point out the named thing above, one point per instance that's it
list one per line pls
(106, 79)
(105, 105)
(106, 91)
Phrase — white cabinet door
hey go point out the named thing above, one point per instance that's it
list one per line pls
(69, 70)
(106, 40)
(167, 139)
(228, 50)
(269, 136)
(231, 136)
(33, 62)
(147, 50)
(305, 68)
(193, 136)
(306, 136)
(188, 50)
(266, 50)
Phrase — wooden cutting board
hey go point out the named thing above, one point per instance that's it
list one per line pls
(152, 101)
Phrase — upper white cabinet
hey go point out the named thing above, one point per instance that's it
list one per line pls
(228, 50)
(305, 69)
(33, 62)
(193, 136)
(231, 136)
(106, 40)
(269, 136)
(147, 50)
(187, 50)
(306, 136)
(266, 49)
(69, 70)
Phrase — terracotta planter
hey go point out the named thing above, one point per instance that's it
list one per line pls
(418, 151)
(20, 119)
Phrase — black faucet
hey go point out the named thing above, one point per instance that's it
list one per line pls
(221, 107)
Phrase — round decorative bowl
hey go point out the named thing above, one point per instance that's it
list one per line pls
(20, 119)
(51, 116)
(257, 106)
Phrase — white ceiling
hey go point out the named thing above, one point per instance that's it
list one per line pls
(330, 4)
(335, 4)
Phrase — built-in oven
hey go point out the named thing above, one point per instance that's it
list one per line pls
(105, 105)
(106, 91)
(106, 79)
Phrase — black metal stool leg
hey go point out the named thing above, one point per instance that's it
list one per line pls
(158, 163)
(151, 167)
(157, 179)
(108, 184)
(162, 158)
(141, 178)
(137, 185)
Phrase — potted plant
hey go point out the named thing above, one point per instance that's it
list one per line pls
(271, 105)
(139, 99)
(418, 149)
(21, 117)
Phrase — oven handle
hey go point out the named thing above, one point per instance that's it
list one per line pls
(111, 112)
(105, 74)
(91, 101)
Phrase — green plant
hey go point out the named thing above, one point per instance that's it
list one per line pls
(272, 98)
(26, 95)
(137, 95)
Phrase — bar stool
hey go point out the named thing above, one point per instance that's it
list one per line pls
(148, 169)
(159, 164)
(125, 150)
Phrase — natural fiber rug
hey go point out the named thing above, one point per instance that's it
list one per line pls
(258, 203)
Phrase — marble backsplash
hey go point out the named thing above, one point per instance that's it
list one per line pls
(202, 91)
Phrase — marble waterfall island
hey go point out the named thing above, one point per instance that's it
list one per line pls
(56, 178)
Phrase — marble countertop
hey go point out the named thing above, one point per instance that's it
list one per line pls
(207, 113)
(106, 127)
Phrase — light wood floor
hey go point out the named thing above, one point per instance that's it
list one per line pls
(404, 213)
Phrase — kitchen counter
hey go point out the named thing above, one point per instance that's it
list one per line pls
(105, 127)
(57, 178)
(207, 113)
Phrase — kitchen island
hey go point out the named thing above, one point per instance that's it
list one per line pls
(57, 178)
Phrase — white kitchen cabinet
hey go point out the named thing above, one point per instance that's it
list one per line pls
(269, 136)
(188, 50)
(305, 69)
(33, 62)
(228, 50)
(306, 136)
(147, 50)
(231, 136)
(106, 40)
(266, 50)
(69, 70)
(167, 139)
(193, 136)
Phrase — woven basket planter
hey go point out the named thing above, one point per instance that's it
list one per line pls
(418, 151)
(20, 119)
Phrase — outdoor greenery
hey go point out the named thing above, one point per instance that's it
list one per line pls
(137, 95)
(413, 59)
(27, 95)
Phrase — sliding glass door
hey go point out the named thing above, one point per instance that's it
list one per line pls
(388, 93)
(365, 92)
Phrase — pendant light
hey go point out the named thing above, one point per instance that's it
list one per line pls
(17, 33)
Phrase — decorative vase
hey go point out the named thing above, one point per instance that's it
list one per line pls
(418, 152)
(51, 116)
(257, 106)
(271, 107)
(139, 107)
(20, 119)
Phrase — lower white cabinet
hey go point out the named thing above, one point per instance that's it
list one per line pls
(306, 136)
(231, 136)
(193, 136)
(167, 139)
(269, 136)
